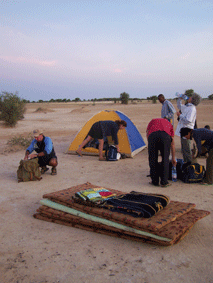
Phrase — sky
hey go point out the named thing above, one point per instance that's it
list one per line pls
(102, 48)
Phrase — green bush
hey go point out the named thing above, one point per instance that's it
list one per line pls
(124, 97)
(12, 108)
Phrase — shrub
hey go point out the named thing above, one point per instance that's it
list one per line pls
(21, 140)
(124, 97)
(12, 108)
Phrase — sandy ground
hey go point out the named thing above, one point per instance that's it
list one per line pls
(37, 251)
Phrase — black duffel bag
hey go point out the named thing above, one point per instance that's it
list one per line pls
(192, 173)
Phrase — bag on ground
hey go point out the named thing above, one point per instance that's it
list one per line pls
(193, 173)
(28, 170)
(112, 153)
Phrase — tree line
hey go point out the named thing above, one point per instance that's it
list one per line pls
(12, 107)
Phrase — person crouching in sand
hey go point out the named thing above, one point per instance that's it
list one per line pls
(101, 130)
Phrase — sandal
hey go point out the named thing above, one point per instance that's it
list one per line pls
(54, 171)
(44, 169)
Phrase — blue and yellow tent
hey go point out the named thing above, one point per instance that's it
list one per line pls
(130, 140)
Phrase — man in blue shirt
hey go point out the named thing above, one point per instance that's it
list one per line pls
(168, 110)
(45, 152)
(199, 135)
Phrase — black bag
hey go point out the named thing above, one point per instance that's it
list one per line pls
(193, 173)
(111, 153)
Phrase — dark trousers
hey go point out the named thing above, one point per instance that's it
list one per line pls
(159, 141)
(209, 167)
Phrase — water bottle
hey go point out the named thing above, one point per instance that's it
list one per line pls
(185, 97)
(174, 174)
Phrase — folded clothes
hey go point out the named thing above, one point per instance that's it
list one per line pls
(96, 195)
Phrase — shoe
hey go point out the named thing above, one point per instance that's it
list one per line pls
(166, 185)
(44, 169)
(102, 159)
(54, 171)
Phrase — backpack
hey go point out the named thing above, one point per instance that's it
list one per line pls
(193, 173)
(111, 153)
(28, 170)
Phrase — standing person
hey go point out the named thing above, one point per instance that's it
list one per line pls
(45, 152)
(187, 117)
(168, 110)
(101, 130)
(160, 135)
(198, 135)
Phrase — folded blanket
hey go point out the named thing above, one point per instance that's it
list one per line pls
(137, 204)
(95, 195)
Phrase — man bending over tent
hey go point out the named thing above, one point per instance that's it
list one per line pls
(101, 130)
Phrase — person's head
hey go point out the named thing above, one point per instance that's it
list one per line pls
(38, 135)
(195, 99)
(186, 133)
(161, 98)
(121, 124)
(207, 127)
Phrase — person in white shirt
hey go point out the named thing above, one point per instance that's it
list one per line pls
(187, 117)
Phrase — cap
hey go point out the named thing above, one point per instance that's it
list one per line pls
(37, 132)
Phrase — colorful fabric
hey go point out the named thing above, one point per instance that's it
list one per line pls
(96, 195)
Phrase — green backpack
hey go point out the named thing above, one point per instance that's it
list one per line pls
(28, 170)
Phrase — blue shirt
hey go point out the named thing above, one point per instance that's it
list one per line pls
(203, 134)
(110, 128)
(168, 110)
(48, 145)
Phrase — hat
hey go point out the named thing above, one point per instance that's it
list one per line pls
(196, 99)
(37, 132)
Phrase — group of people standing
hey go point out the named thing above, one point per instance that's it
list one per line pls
(160, 135)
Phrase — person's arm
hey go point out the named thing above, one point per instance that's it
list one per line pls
(48, 146)
(174, 162)
(171, 110)
(179, 104)
(29, 150)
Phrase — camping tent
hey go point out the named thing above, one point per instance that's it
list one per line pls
(130, 140)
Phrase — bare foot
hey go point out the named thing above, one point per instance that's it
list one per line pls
(102, 159)
(78, 151)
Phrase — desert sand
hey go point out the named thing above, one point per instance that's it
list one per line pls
(36, 251)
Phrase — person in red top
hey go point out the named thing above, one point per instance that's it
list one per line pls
(160, 136)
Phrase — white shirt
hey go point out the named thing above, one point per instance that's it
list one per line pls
(187, 116)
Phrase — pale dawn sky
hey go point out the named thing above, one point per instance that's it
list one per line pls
(95, 49)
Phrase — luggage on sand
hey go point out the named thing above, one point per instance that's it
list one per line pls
(28, 170)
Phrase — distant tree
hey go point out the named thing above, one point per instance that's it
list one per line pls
(210, 97)
(124, 97)
(154, 98)
(12, 108)
(77, 99)
(41, 101)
